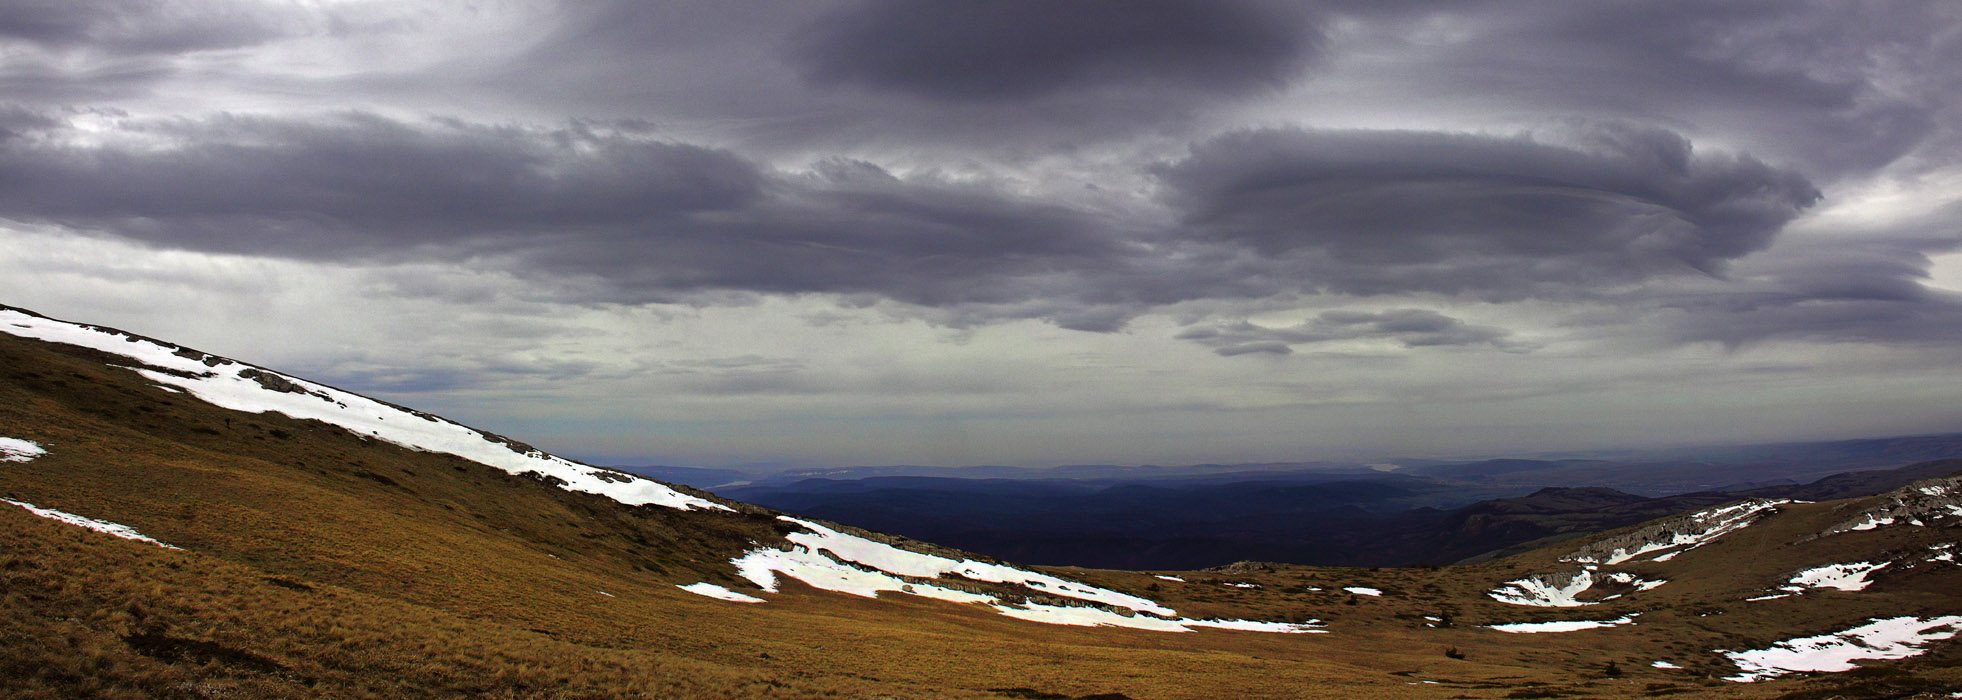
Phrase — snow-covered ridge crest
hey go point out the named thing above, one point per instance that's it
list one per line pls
(1919, 503)
(241, 387)
(1681, 533)
(831, 560)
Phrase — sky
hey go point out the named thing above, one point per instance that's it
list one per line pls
(824, 232)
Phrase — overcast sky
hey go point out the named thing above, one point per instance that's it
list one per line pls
(1017, 231)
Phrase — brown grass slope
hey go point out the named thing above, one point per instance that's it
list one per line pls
(321, 564)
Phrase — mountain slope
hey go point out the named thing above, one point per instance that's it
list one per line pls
(817, 555)
(319, 561)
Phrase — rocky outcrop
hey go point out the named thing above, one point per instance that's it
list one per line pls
(1247, 567)
(1688, 531)
(1922, 503)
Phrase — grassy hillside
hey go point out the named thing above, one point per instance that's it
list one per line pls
(319, 563)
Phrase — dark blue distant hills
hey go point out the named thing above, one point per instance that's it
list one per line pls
(1330, 513)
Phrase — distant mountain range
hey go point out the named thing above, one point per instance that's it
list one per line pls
(1654, 472)
(1313, 513)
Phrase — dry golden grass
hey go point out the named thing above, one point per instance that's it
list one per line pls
(91, 616)
(321, 564)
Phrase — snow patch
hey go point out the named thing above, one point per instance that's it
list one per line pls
(1168, 578)
(1561, 625)
(1099, 617)
(830, 560)
(762, 566)
(1563, 590)
(1873, 522)
(1843, 577)
(713, 591)
(1086, 617)
(18, 450)
(1665, 664)
(1361, 590)
(887, 558)
(1840, 577)
(105, 527)
(240, 387)
(1632, 580)
(1891, 638)
(1543, 591)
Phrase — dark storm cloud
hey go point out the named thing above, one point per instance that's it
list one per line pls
(1412, 328)
(68, 52)
(1023, 49)
(1865, 290)
(652, 220)
(141, 26)
(1831, 86)
(355, 185)
(1265, 213)
(850, 227)
(1834, 82)
(17, 122)
(1371, 212)
(994, 80)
